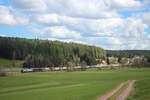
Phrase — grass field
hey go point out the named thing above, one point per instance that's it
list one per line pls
(142, 90)
(8, 63)
(119, 92)
(85, 85)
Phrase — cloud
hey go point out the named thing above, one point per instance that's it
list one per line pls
(145, 17)
(81, 8)
(46, 19)
(6, 17)
(28, 6)
(12, 19)
(126, 4)
(63, 32)
(73, 8)
(127, 34)
(59, 32)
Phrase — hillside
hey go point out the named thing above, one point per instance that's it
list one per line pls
(39, 53)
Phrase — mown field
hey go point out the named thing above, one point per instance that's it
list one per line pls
(83, 85)
(8, 63)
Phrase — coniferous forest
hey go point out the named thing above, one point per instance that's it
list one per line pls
(45, 53)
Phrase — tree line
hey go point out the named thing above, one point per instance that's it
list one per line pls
(45, 53)
(128, 54)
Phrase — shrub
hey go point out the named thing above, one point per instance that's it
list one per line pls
(2, 73)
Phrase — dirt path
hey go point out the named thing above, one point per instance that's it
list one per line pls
(127, 91)
(111, 93)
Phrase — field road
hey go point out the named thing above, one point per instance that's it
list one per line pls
(123, 95)
(111, 93)
(127, 91)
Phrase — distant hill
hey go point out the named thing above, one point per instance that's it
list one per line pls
(40, 53)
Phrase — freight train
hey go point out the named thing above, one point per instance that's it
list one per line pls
(27, 70)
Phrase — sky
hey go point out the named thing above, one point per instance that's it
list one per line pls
(110, 24)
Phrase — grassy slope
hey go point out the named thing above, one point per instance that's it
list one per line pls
(66, 86)
(7, 65)
(5, 62)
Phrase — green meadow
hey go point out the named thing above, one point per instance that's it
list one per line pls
(7, 63)
(80, 85)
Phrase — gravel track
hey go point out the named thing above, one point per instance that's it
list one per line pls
(111, 93)
(123, 95)
(127, 91)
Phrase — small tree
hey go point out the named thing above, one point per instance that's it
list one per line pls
(83, 65)
(113, 60)
(2, 72)
(139, 61)
(124, 60)
(70, 66)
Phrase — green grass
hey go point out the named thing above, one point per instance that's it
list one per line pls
(5, 62)
(83, 85)
(142, 90)
(6, 65)
(119, 92)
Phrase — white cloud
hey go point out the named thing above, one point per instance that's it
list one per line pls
(148, 36)
(46, 19)
(59, 32)
(145, 17)
(81, 8)
(6, 17)
(29, 5)
(63, 32)
(78, 8)
(74, 8)
(133, 28)
(127, 34)
(11, 19)
(22, 19)
(126, 4)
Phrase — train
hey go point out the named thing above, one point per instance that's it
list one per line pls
(27, 70)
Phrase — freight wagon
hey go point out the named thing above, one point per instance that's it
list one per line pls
(26, 70)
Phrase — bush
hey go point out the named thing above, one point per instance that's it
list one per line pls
(2, 74)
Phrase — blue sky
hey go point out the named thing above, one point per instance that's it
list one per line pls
(110, 24)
